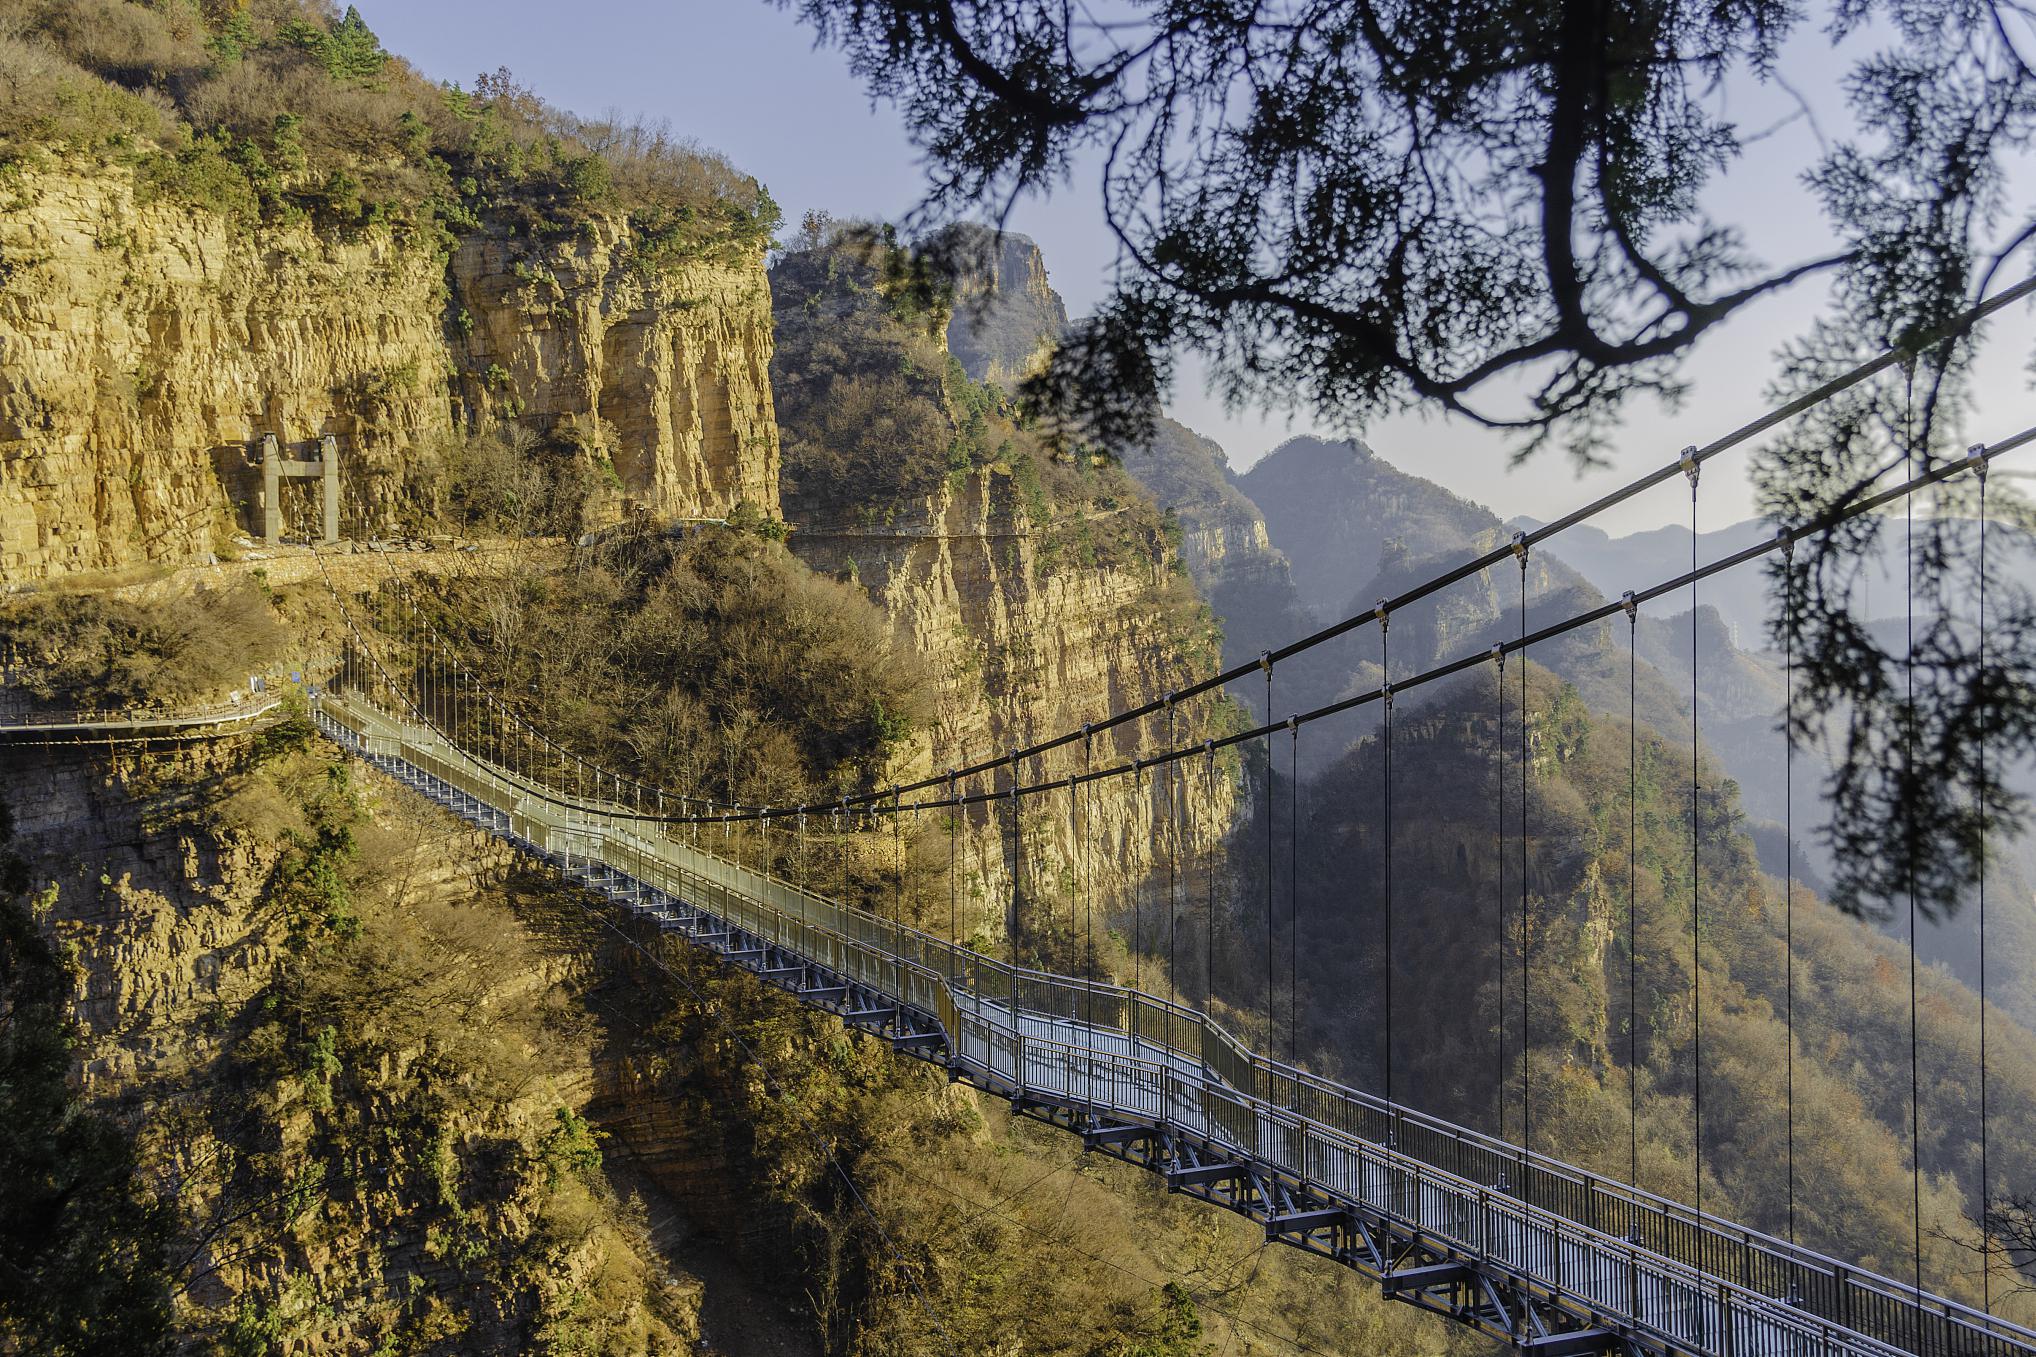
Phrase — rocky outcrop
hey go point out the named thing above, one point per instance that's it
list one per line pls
(1007, 317)
(1021, 651)
(665, 372)
(145, 349)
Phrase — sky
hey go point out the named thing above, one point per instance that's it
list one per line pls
(743, 77)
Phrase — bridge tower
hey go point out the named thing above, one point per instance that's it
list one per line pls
(276, 468)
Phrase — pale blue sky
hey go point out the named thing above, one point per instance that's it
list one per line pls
(742, 77)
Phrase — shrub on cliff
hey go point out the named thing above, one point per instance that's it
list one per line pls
(92, 652)
(312, 115)
(710, 659)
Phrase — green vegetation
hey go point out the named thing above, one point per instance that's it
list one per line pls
(275, 111)
(709, 659)
(91, 652)
(1851, 988)
(983, 1232)
(370, 1147)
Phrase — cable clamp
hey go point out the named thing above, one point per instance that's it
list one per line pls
(1499, 657)
(1166, 699)
(1386, 691)
(1630, 604)
(1976, 456)
(1137, 768)
(1382, 613)
(1265, 660)
(1520, 549)
(1209, 750)
(1786, 540)
(1691, 466)
(1294, 722)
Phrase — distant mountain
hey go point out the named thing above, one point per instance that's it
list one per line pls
(1743, 597)
(1337, 510)
(1224, 542)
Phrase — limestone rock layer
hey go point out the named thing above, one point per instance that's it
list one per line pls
(146, 348)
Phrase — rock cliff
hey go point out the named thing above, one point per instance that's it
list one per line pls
(370, 1121)
(1044, 591)
(1007, 317)
(145, 348)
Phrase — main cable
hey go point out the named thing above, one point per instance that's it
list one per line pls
(1954, 329)
(1823, 522)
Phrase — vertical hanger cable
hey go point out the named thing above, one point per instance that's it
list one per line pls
(1692, 469)
(1499, 900)
(1386, 809)
(1985, 1180)
(1909, 820)
(1294, 892)
(1526, 975)
(1632, 890)
(1789, 853)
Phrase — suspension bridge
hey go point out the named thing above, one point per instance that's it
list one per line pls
(1551, 1258)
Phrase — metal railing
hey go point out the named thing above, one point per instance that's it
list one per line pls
(1692, 1281)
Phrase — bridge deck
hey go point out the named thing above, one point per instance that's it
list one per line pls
(1513, 1243)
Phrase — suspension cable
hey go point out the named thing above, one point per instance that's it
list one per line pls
(1694, 470)
(1138, 891)
(1526, 973)
(1789, 855)
(1909, 820)
(1985, 1180)
(1386, 809)
(1956, 328)
(1499, 937)
(1266, 661)
(1632, 893)
(1293, 893)
(1173, 859)
(1820, 524)
(1208, 957)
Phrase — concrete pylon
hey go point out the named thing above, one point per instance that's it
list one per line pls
(276, 468)
(272, 490)
(328, 453)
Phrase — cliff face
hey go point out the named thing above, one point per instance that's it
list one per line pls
(1007, 317)
(1043, 593)
(1022, 650)
(145, 349)
(675, 363)
(370, 1121)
